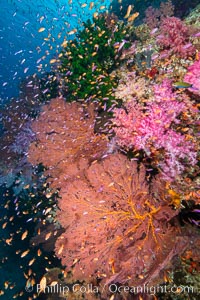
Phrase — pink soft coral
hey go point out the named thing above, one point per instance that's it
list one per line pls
(174, 37)
(193, 77)
(151, 130)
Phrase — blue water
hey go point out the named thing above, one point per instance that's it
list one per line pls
(22, 46)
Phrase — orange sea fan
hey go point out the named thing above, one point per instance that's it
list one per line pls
(65, 133)
(117, 229)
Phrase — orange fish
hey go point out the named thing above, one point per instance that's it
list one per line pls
(133, 17)
(128, 11)
(24, 235)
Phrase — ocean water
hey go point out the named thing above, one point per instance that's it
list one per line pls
(38, 157)
(22, 46)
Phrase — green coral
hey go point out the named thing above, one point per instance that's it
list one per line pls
(89, 60)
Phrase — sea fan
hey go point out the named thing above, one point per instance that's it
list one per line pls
(117, 226)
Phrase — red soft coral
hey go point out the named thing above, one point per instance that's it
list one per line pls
(153, 16)
(174, 37)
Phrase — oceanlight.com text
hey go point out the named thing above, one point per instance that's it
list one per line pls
(151, 289)
(114, 289)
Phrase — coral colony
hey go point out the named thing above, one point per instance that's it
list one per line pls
(100, 163)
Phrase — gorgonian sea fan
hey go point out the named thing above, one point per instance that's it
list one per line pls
(23, 139)
(65, 133)
(117, 226)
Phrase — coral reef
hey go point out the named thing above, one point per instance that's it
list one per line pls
(153, 16)
(152, 131)
(111, 212)
(174, 37)
(110, 204)
(64, 134)
(100, 158)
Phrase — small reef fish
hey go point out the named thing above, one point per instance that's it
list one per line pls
(182, 85)
(24, 235)
(25, 253)
(20, 51)
(153, 31)
(41, 29)
(197, 34)
(72, 31)
(91, 5)
(43, 284)
(132, 18)
(128, 11)
(188, 45)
